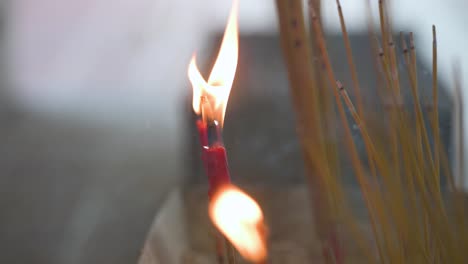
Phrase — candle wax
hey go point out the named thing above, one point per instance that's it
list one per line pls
(214, 160)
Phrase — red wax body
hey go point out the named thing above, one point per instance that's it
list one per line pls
(214, 160)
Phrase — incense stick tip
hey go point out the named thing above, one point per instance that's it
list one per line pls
(339, 85)
(338, 3)
(312, 11)
(381, 52)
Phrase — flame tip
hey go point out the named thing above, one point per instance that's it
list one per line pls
(220, 80)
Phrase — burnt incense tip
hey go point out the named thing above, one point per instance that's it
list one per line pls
(381, 52)
(434, 33)
(339, 85)
(297, 43)
(403, 43)
(312, 10)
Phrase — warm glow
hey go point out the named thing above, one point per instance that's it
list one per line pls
(219, 83)
(240, 219)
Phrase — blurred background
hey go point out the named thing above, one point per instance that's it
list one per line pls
(93, 110)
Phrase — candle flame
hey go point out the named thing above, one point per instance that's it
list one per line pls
(240, 219)
(219, 84)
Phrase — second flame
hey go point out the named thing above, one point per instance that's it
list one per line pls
(241, 220)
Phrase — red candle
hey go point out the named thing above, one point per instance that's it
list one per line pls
(210, 100)
(209, 103)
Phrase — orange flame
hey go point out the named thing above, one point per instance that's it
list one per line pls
(240, 219)
(219, 83)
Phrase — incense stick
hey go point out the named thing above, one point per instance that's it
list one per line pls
(435, 105)
(302, 75)
(351, 64)
(357, 165)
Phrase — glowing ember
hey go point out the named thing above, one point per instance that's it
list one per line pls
(219, 84)
(240, 219)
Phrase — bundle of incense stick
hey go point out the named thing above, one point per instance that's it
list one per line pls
(412, 218)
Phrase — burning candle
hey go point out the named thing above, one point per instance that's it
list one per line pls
(210, 98)
(210, 101)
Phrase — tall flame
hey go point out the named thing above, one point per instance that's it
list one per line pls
(219, 83)
(240, 219)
